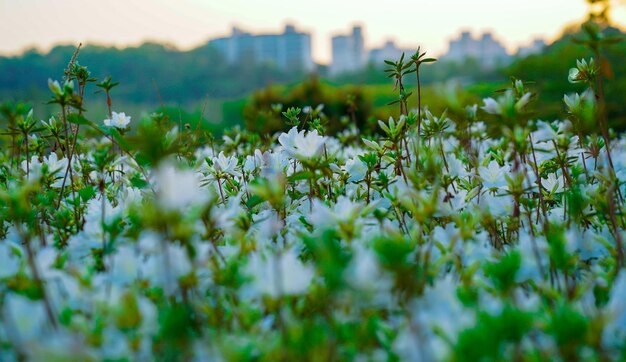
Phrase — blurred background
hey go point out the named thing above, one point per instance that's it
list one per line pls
(228, 63)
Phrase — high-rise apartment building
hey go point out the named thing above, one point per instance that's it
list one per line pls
(389, 51)
(288, 50)
(486, 49)
(348, 52)
(536, 46)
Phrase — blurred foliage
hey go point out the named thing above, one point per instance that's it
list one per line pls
(469, 70)
(200, 80)
(262, 113)
(151, 72)
(547, 70)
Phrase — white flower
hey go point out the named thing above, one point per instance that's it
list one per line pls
(28, 317)
(227, 215)
(177, 189)
(438, 308)
(496, 205)
(32, 168)
(364, 272)
(131, 196)
(166, 267)
(356, 169)
(565, 126)
(301, 146)
(269, 163)
(282, 274)
(553, 183)
(491, 106)
(46, 262)
(586, 243)
(456, 167)
(57, 167)
(55, 164)
(344, 211)
(125, 265)
(267, 225)
(573, 75)
(544, 132)
(253, 161)
(506, 103)
(493, 175)
(572, 101)
(9, 262)
(478, 128)
(288, 140)
(223, 164)
(448, 236)
(581, 105)
(117, 120)
(114, 345)
(450, 203)
(204, 152)
(55, 87)
(523, 101)
(615, 330)
(534, 251)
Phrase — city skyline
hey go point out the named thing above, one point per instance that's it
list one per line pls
(190, 23)
(291, 49)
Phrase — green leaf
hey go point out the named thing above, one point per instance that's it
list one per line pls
(384, 127)
(569, 327)
(302, 175)
(392, 251)
(138, 182)
(87, 193)
(78, 119)
(116, 136)
(503, 272)
(329, 257)
(253, 201)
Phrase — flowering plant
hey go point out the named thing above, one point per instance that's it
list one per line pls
(427, 241)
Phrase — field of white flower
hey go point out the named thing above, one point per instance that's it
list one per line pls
(433, 240)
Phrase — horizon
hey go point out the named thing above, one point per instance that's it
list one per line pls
(187, 27)
(475, 33)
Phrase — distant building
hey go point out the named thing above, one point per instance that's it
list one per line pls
(535, 47)
(348, 52)
(289, 50)
(487, 50)
(389, 51)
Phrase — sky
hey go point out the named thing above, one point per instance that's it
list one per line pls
(189, 23)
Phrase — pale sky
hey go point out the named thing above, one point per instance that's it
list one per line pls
(188, 23)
